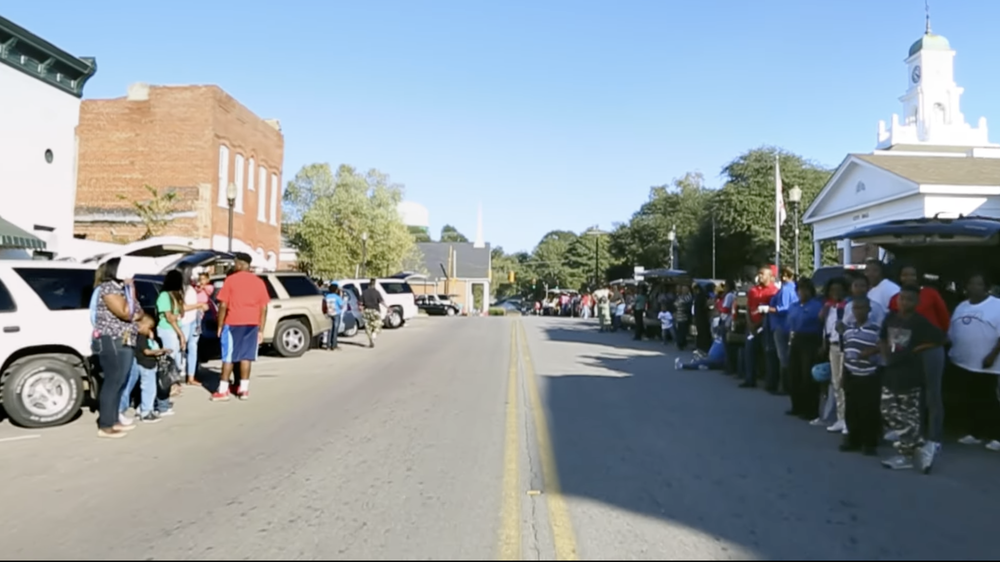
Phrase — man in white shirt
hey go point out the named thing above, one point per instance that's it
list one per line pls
(882, 290)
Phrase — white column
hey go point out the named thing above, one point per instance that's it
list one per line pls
(817, 255)
(847, 251)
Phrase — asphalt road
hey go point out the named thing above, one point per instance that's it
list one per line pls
(432, 446)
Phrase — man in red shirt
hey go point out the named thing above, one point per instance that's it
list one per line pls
(758, 301)
(242, 312)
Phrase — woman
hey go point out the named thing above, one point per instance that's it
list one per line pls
(806, 339)
(835, 296)
(114, 336)
(604, 308)
(682, 316)
(931, 306)
(974, 350)
(169, 312)
(190, 322)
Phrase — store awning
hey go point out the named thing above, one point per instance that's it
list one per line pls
(15, 237)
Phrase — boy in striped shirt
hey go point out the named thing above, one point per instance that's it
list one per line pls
(862, 380)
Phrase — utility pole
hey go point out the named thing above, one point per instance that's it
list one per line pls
(713, 247)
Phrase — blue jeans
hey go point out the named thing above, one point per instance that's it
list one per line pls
(704, 364)
(116, 360)
(147, 385)
(331, 335)
(170, 340)
(191, 336)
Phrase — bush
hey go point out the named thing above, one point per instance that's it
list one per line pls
(497, 311)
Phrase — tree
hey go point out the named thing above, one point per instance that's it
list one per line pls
(156, 212)
(451, 234)
(420, 234)
(329, 234)
(587, 256)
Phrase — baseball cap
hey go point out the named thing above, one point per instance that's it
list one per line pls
(243, 257)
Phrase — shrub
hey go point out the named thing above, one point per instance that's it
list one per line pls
(497, 311)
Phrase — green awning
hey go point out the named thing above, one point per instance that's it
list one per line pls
(15, 237)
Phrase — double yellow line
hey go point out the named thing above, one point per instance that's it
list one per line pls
(564, 541)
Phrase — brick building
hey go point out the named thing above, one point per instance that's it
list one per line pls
(193, 140)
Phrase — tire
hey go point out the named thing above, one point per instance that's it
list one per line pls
(43, 390)
(350, 331)
(451, 311)
(292, 338)
(394, 319)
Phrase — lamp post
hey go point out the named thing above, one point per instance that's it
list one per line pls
(596, 233)
(795, 197)
(231, 199)
(672, 238)
(364, 255)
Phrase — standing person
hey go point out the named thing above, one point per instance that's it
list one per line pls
(335, 308)
(639, 312)
(170, 310)
(603, 308)
(931, 306)
(702, 317)
(113, 339)
(777, 318)
(975, 345)
(243, 303)
(806, 339)
(666, 325)
(371, 304)
(882, 289)
(904, 335)
(758, 303)
(862, 384)
(190, 322)
(147, 349)
(682, 316)
(831, 315)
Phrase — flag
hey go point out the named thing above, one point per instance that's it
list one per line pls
(779, 200)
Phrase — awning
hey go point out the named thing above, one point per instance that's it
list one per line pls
(15, 237)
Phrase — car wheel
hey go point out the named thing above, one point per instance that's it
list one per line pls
(451, 311)
(351, 330)
(291, 338)
(394, 319)
(43, 390)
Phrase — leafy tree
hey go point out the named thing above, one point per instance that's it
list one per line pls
(155, 213)
(309, 185)
(587, 257)
(329, 236)
(549, 260)
(420, 234)
(451, 234)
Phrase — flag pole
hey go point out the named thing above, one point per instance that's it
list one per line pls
(778, 203)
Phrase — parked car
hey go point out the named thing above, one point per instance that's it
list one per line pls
(435, 305)
(399, 298)
(352, 320)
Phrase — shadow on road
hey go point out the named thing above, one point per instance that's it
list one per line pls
(690, 449)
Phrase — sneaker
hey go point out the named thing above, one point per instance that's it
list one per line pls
(677, 364)
(244, 395)
(120, 427)
(970, 440)
(926, 455)
(111, 433)
(151, 417)
(818, 422)
(892, 437)
(165, 413)
(125, 420)
(837, 427)
(220, 396)
(898, 463)
(994, 446)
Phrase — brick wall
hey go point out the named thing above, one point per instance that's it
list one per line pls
(169, 138)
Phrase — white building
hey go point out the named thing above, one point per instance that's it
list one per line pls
(40, 90)
(932, 162)
(414, 214)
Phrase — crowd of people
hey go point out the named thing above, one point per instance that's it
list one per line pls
(864, 356)
(159, 353)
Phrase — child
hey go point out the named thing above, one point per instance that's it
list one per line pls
(861, 380)
(666, 325)
(715, 361)
(204, 290)
(146, 350)
(904, 335)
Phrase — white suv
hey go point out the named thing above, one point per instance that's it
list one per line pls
(398, 295)
(45, 336)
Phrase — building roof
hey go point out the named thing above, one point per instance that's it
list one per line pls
(470, 262)
(926, 148)
(36, 57)
(930, 42)
(939, 170)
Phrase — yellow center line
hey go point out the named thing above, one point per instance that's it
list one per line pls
(562, 528)
(510, 506)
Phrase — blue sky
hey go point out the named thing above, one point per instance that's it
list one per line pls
(555, 114)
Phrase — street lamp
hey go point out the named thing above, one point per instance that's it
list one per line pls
(672, 238)
(231, 199)
(795, 197)
(596, 233)
(364, 255)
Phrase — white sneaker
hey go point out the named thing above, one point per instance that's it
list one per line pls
(994, 446)
(898, 463)
(926, 455)
(818, 422)
(892, 437)
(970, 440)
(837, 427)
(677, 364)
(125, 420)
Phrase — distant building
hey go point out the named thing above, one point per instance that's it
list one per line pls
(40, 90)
(454, 268)
(195, 140)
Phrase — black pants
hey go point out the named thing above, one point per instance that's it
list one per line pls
(116, 363)
(803, 389)
(640, 323)
(980, 403)
(704, 338)
(683, 333)
(862, 409)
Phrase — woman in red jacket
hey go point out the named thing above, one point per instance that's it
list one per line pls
(931, 306)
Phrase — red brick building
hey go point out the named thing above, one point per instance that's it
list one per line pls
(194, 140)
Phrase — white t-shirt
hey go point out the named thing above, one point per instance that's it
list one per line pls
(974, 331)
(190, 297)
(883, 293)
(620, 309)
(666, 320)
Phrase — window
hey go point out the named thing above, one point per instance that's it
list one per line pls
(270, 288)
(262, 196)
(240, 169)
(60, 289)
(274, 198)
(223, 174)
(298, 285)
(251, 169)
(396, 287)
(6, 301)
(146, 292)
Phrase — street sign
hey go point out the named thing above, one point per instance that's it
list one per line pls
(637, 272)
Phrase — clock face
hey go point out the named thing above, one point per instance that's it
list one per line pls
(915, 75)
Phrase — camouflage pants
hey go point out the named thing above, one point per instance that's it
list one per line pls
(901, 413)
(373, 322)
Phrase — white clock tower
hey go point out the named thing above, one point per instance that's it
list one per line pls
(931, 110)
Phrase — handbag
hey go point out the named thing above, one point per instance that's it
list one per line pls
(168, 373)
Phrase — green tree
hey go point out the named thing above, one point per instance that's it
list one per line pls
(155, 212)
(549, 260)
(451, 234)
(329, 236)
(588, 256)
(420, 234)
(309, 185)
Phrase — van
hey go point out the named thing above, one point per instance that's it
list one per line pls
(399, 298)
